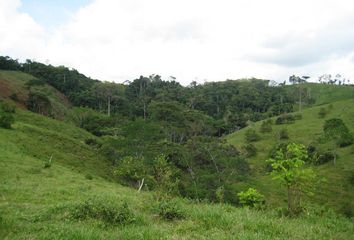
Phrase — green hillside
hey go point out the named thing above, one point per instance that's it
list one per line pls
(57, 180)
(38, 202)
(18, 86)
(337, 191)
(324, 93)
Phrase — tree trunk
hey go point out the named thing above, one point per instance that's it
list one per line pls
(109, 106)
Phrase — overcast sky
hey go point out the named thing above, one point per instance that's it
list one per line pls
(200, 40)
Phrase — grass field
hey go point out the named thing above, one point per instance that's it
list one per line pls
(337, 191)
(35, 202)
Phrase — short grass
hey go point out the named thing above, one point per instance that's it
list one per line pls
(324, 93)
(337, 191)
(34, 200)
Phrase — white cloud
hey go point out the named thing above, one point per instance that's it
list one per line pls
(204, 39)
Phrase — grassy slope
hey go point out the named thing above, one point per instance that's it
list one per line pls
(13, 82)
(324, 93)
(29, 192)
(337, 190)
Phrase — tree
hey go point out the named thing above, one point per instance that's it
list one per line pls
(164, 175)
(288, 166)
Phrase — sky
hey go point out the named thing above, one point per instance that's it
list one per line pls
(202, 40)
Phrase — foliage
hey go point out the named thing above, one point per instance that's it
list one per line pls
(251, 136)
(283, 134)
(6, 115)
(171, 209)
(250, 149)
(38, 102)
(105, 210)
(297, 116)
(266, 126)
(131, 170)
(325, 157)
(288, 168)
(165, 176)
(48, 163)
(322, 113)
(93, 142)
(251, 198)
(335, 128)
(285, 119)
(351, 178)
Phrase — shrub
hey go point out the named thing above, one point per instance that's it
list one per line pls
(297, 116)
(351, 178)
(266, 126)
(251, 136)
(285, 119)
(171, 209)
(283, 134)
(325, 157)
(104, 210)
(93, 142)
(250, 149)
(39, 102)
(251, 198)
(322, 113)
(88, 176)
(336, 129)
(345, 139)
(14, 97)
(6, 115)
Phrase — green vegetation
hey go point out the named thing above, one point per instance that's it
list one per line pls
(288, 167)
(6, 115)
(332, 162)
(164, 142)
(60, 203)
(251, 198)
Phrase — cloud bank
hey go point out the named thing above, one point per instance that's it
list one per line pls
(200, 39)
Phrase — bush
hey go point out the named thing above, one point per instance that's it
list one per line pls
(283, 134)
(322, 113)
(298, 116)
(6, 115)
(14, 97)
(250, 149)
(171, 209)
(266, 126)
(93, 142)
(88, 176)
(336, 129)
(285, 119)
(351, 178)
(251, 136)
(345, 139)
(325, 157)
(251, 198)
(104, 210)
